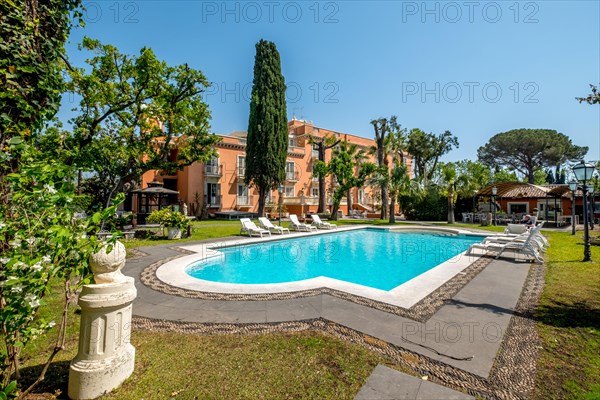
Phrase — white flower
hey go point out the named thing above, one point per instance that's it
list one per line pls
(46, 259)
(51, 324)
(37, 267)
(2, 225)
(20, 264)
(30, 240)
(32, 300)
(50, 189)
(4, 260)
(17, 289)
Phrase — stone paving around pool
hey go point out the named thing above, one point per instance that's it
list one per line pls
(479, 339)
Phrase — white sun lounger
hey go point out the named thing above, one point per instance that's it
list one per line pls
(297, 225)
(320, 224)
(268, 225)
(250, 228)
(516, 245)
(537, 238)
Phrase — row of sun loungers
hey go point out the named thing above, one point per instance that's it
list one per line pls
(530, 243)
(267, 227)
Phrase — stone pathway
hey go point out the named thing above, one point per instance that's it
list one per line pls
(457, 345)
(388, 384)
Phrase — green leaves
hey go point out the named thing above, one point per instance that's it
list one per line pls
(267, 143)
(529, 150)
(33, 36)
(168, 218)
(40, 239)
(134, 111)
(9, 391)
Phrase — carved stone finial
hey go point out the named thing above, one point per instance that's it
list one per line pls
(106, 267)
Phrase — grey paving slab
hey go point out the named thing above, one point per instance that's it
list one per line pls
(294, 310)
(388, 384)
(432, 391)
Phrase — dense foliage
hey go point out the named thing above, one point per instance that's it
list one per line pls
(40, 240)
(384, 129)
(267, 143)
(136, 114)
(426, 150)
(431, 205)
(168, 218)
(321, 144)
(342, 168)
(32, 36)
(530, 150)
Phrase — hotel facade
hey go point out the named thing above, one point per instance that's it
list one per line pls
(218, 185)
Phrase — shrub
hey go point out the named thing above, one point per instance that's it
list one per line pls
(432, 206)
(168, 218)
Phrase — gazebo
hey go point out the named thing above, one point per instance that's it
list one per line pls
(154, 197)
(510, 196)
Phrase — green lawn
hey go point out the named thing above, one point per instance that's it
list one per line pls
(569, 322)
(316, 366)
(201, 230)
(276, 366)
(304, 365)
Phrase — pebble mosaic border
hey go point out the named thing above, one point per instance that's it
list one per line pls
(511, 377)
(421, 311)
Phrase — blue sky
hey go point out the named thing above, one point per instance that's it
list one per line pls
(474, 68)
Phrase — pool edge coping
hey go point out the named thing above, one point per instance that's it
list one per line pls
(172, 272)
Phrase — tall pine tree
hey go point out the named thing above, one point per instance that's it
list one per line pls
(267, 142)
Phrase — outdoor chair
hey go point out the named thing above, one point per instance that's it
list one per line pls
(268, 225)
(250, 228)
(297, 225)
(320, 224)
(525, 245)
(515, 229)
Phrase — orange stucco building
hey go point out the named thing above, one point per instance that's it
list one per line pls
(218, 185)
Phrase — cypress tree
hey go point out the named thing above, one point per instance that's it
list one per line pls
(267, 142)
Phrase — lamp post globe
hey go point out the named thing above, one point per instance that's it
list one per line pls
(584, 172)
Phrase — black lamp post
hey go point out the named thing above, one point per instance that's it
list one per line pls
(584, 173)
(494, 192)
(280, 190)
(592, 205)
(573, 187)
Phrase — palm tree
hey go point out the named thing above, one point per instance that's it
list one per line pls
(454, 183)
(342, 166)
(319, 168)
(357, 155)
(398, 183)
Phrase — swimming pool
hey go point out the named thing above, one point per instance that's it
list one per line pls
(376, 258)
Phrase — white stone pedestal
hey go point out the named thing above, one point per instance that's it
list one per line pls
(105, 358)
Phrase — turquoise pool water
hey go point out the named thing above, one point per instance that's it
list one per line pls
(376, 258)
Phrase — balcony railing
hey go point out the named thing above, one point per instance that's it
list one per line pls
(213, 170)
(292, 176)
(243, 201)
(297, 200)
(241, 172)
(213, 201)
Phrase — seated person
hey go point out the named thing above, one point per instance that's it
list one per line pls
(527, 220)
